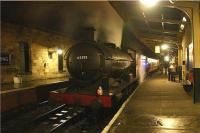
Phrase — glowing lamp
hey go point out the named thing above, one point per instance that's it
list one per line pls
(59, 51)
(164, 47)
(149, 3)
(169, 122)
(184, 19)
(182, 26)
(166, 58)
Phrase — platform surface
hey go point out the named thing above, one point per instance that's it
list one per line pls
(6, 88)
(159, 106)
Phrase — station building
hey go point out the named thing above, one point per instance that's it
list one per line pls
(36, 37)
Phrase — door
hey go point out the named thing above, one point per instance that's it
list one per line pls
(60, 62)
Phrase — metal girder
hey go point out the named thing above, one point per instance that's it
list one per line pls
(160, 20)
(159, 38)
(160, 31)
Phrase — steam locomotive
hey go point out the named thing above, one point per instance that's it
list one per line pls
(100, 75)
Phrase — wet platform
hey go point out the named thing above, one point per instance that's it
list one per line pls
(6, 88)
(17, 96)
(158, 106)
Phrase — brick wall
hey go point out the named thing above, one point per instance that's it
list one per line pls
(40, 43)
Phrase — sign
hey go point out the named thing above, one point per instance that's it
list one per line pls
(5, 59)
(157, 49)
(85, 57)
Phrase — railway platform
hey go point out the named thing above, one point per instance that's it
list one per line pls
(11, 87)
(14, 96)
(157, 106)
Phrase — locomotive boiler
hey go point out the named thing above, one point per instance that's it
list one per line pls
(98, 74)
(88, 62)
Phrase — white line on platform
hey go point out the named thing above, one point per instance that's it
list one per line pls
(108, 126)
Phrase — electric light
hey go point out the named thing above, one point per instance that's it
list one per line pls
(150, 60)
(169, 122)
(182, 26)
(164, 47)
(172, 1)
(166, 58)
(184, 19)
(191, 45)
(149, 3)
(143, 57)
(59, 51)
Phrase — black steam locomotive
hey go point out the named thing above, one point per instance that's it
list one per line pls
(100, 73)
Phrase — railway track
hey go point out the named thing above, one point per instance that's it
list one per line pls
(50, 117)
(104, 117)
(18, 122)
(56, 119)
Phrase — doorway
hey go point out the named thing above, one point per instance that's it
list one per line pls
(60, 62)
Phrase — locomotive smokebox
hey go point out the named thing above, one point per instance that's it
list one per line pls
(83, 62)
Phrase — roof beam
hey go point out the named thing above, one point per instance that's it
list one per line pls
(161, 31)
(158, 20)
(163, 27)
(146, 21)
(166, 31)
(159, 38)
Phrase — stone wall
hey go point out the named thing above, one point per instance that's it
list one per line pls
(66, 18)
(40, 42)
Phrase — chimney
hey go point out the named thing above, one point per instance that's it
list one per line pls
(89, 34)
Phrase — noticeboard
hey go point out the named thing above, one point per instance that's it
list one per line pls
(5, 59)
